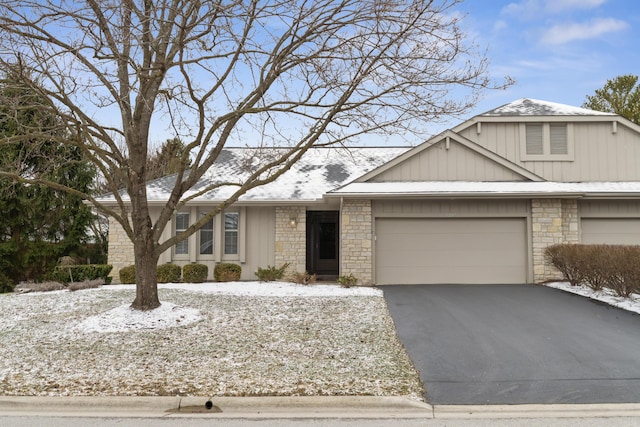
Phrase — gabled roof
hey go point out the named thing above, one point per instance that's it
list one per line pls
(448, 134)
(317, 172)
(534, 107)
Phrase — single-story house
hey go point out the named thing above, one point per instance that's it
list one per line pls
(478, 203)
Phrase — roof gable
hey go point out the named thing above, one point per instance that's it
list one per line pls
(449, 157)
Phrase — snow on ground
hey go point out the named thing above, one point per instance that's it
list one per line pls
(228, 339)
(605, 295)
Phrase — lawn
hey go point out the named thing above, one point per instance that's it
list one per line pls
(234, 339)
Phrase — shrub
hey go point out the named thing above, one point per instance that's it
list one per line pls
(227, 272)
(80, 273)
(86, 284)
(270, 273)
(25, 287)
(128, 274)
(303, 278)
(616, 267)
(6, 285)
(347, 281)
(195, 273)
(169, 273)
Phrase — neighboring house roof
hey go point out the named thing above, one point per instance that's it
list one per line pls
(317, 172)
(534, 107)
(488, 189)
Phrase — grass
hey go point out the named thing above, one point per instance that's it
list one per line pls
(243, 345)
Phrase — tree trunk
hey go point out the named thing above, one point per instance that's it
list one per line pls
(146, 274)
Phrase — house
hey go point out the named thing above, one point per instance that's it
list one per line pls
(478, 203)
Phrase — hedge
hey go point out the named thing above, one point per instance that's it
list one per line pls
(227, 272)
(616, 267)
(80, 273)
(195, 273)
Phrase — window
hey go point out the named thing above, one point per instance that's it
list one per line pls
(558, 138)
(546, 141)
(182, 223)
(206, 237)
(231, 221)
(534, 138)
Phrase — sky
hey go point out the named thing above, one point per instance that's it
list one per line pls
(556, 50)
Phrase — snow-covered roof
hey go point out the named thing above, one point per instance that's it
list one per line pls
(535, 107)
(317, 172)
(487, 189)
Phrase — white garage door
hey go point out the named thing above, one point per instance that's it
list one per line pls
(477, 251)
(619, 231)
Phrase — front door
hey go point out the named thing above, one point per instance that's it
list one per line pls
(322, 242)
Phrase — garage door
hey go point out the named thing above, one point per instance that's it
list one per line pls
(621, 231)
(414, 251)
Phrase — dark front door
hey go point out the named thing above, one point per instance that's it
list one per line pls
(322, 242)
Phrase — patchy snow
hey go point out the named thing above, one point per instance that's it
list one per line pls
(605, 295)
(275, 289)
(212, 339)
(124, 318)
(488, 188)
(536, 107)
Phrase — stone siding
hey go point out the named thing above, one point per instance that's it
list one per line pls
(291, 240)
(356, 240)
(553, 221)
(120, 252)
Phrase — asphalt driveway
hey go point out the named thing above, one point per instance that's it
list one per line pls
(514, 344)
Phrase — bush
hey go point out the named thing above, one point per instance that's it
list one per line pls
(6, 285)
(347, 281)
(195, 273)
(227, 272)
(128, 274)
(86, 284)
(80, 273)
(47, 286)
(615, 267)
(270, 273)
(169, 273)
(303, 278)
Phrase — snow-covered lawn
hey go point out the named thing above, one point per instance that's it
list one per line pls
(231, 339)
(606, 295)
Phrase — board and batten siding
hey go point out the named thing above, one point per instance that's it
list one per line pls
(439, 163)
(600, 154)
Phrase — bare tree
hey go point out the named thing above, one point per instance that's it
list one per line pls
(296, 74)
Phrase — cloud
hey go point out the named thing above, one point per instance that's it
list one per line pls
(531, 9)
(561, 34)
(562, 5)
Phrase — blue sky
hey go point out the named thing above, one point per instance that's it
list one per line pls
(556, 50)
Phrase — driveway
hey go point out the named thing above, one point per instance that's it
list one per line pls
(516, 344)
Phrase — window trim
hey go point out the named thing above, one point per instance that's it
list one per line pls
(235, 255)
(546, 143)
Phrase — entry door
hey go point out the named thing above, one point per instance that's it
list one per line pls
(322, 242)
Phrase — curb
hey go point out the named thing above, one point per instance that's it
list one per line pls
(221, 407)
(295, 407)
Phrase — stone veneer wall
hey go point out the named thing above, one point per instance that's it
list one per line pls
(291, 242)
(356, 240)
(120, 251)
(553, 221)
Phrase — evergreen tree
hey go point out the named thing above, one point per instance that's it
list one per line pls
(39, 223)
(620, 96)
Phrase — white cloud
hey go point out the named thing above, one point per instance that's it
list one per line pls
(562, 5)
(531, 9)
(560, 34)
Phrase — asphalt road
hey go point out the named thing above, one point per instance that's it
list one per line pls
(515, 344)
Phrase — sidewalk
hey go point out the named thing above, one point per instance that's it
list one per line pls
(295, 407)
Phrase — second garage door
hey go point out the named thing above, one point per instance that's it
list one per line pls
(619, 231)
(420, 250)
